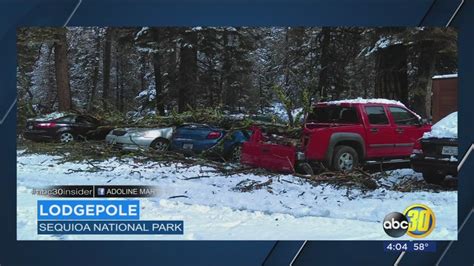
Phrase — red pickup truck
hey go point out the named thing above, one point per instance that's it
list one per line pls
(341, 135)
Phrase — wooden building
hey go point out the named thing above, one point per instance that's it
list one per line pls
(444, 99)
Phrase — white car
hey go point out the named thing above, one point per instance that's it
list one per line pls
(141, 138)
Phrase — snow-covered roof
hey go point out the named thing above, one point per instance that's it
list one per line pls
(444, 128)
(447, 76)
(364, 101)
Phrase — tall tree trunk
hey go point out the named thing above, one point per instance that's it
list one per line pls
(106, 68)
(422, 88)
(225, 84)
(95, 75)
(143, 68)
(159, 101)
(323, 74)
(187, 71)
(260, 93)
(286, 65)
(171, 65)
(62, 71)
(118, 77)
(391, 79)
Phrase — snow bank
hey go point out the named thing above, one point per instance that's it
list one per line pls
(289, 208)
(445, 128)
(363, 101)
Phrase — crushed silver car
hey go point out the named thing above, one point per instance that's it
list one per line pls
(141, 138)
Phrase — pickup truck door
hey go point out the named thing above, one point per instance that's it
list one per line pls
(379, 132)
(407, 130)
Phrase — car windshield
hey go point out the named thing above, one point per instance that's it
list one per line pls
(333, 114)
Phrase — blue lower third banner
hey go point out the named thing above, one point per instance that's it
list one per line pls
(88, 210)
(110, 227)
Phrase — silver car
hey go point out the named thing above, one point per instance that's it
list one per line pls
(141, 138)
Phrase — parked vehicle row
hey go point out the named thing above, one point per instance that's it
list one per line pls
(340, 135)
(189, 138)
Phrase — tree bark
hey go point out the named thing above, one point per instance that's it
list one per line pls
(226, 89)
(286, 64)
(422, 88)
(160, 108)
(187, 71)
(118, 78)
(95, 75)
(106, 67)
(323, 74)
(391, 80)
(62, 71)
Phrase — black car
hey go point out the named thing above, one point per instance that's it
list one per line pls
(64, 127)
(436, 154)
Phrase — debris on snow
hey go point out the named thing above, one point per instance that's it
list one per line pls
(241, 197)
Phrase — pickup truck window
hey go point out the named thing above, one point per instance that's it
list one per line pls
(333, 114)
(377, 115)
(403, 117)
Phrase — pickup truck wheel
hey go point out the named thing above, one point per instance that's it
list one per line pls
(433, 178)
(345, 159)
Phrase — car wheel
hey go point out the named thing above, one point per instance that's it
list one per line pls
(236, 153)
(433, 178)
(345, 159)
(66, 137)
(160, 145)
(304, 168)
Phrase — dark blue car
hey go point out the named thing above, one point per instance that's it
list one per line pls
(197, 138)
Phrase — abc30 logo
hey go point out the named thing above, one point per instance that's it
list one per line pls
(417, 221)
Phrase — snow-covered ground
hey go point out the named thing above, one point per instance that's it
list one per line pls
(290, 208)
